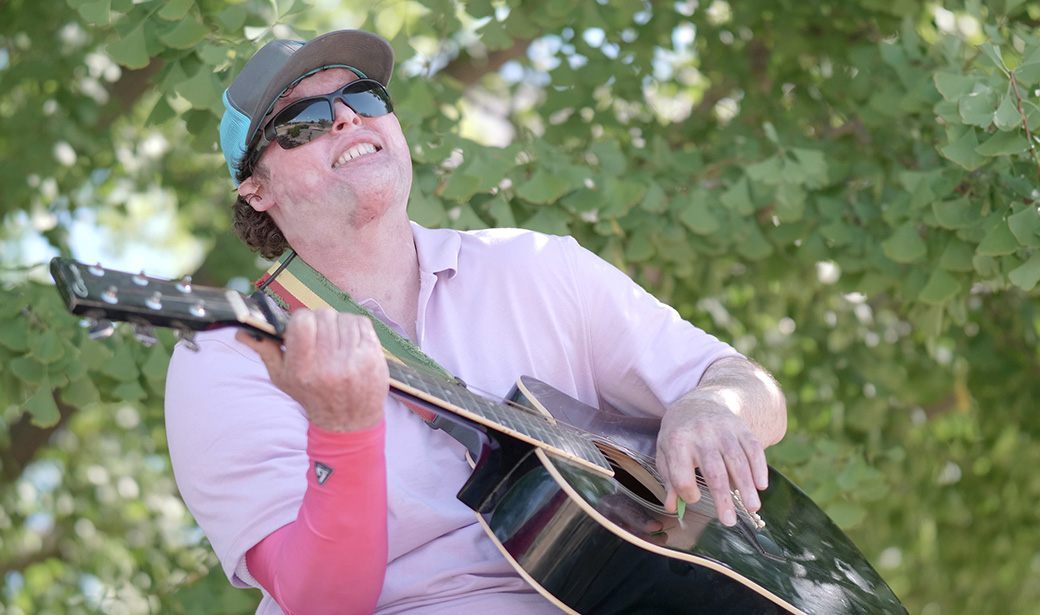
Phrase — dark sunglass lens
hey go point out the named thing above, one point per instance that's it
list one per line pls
(367, 98)
(302, 122)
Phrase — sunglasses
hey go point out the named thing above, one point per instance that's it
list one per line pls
(309, 118)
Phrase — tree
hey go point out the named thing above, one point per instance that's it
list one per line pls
(845, 191)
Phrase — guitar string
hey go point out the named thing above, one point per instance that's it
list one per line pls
(706, 501)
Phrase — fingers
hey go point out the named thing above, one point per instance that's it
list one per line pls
(727, 454)
(269, 350)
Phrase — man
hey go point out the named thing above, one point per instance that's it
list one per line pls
(314, 485)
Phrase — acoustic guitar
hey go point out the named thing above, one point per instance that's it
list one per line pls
(563, 489)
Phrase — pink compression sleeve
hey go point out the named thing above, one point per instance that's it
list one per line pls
(332, 559)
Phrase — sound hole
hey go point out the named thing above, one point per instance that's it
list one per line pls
(638, 478)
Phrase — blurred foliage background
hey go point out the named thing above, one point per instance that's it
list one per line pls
(846, 191)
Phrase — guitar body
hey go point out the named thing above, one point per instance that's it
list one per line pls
(573, 534)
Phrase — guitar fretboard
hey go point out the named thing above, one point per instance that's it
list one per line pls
(512, 420)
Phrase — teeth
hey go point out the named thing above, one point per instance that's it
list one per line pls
(358, 150)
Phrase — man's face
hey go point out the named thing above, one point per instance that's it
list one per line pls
(350, 176)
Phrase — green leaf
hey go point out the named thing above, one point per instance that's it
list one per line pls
(14, 334)
(459, 186)
(42, 408)
(955, 214)
(80, 392)
(161, 113)
(611, 159)
(655, 201)
(621, 196)
(175, 9)
(698, 218)
(543, 188)
(790, 202)
(202, 90)
(953, 86)
(995, 55)
(548, 220)
(1025, 226)
(1004, 144)
(1007, 116)
(47, 347)
(156, 365)
(1028, 74)
(957, 256)
(185, 35)
(425, 210)
(738, 198)
(962, 151)
(753, 244)
(814, 166)
(977, 108)
(986, 266)
(940, 288)
(129, 391)
(845, 514)
(131, 50)
(29, 370)
(233, 17)
(1028, 274)
(639, 248)
(768, 171)
(1000, 240)
(98, 12)
(905, 245)
(122, 367)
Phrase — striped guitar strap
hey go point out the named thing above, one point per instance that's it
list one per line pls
(294, 284)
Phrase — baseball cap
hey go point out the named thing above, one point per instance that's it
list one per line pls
(278, 65)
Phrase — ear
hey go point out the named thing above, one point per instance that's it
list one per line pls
(255, 194)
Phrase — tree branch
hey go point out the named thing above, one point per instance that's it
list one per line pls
(127, 90)
(27, 439)
(469, 70)
(48, 549)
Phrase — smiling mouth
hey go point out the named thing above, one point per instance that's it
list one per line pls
(357, 151)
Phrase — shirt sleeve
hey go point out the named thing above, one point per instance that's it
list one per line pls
(239, 448)
(335, 552)
(644, 355)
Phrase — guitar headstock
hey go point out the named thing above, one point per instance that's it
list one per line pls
(104, 295)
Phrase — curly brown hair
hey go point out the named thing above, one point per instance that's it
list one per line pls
(256, 228)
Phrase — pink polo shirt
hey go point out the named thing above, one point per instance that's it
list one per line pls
(493, 305)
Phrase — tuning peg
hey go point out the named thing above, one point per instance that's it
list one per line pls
(187, 336)
(96, 270)
(198, 309)
(155, 301)
(140, 279)
(100, 328)
(184, 284)
(145, 334)
(111, 295)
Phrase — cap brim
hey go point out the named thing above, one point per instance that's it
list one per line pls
(369, 53)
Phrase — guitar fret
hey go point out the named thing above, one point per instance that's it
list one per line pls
(501, 416)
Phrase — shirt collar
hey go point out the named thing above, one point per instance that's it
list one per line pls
(437, 249)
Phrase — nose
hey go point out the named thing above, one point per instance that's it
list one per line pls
(345, 116)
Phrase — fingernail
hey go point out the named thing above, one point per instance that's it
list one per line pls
(729, 518)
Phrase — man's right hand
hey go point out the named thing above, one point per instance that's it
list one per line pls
(332, 364)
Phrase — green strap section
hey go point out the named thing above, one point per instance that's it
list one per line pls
(392, 342)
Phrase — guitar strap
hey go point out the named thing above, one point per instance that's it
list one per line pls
(294, 284)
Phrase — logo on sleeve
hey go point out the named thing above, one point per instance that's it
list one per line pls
(322, 472)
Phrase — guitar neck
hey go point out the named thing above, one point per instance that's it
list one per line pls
(107, 295)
